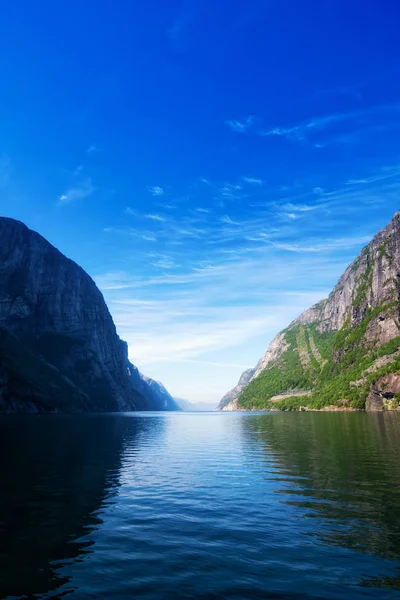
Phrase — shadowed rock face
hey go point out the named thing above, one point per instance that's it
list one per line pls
(164, 398)
(59, 349)
(365, 298)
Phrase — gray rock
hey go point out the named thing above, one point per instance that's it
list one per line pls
(59, 349)
(245, 378)
(370, 282)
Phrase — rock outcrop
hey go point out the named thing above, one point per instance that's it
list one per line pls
(245, 378)
(59, 349)
(232, 406)
(344, 351)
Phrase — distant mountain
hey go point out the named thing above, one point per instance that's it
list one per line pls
(245, 378)
(195, 406)
(167, 402)
(344, 352)
(59, 350)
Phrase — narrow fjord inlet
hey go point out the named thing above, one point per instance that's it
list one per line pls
(196, 194)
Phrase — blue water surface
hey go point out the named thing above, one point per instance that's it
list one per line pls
(200, 505)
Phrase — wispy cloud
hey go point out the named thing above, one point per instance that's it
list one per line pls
(240, 126)
(303, 207)
(81, 190)
(164, 263)
(92, 149)
(229, 191)
(372, 119)
(382, 175)
(252, 180)
(226, 219)
(77, 172)
(155, 217)
(341, 243)
(206, 283)
(131, 212)
(299, 132)
(194, 318)
(156, 190)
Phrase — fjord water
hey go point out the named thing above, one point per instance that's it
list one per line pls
(212, 505)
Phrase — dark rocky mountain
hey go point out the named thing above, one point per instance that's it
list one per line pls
(344, 352)
(59, 349)
(167, 402)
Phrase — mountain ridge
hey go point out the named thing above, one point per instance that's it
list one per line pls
(341, 351)
(188, 406)
(59, 348)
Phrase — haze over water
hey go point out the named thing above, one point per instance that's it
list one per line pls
(180, 505)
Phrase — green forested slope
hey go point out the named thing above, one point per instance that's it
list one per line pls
(337, 367)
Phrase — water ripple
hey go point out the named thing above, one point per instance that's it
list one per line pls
(284, 506)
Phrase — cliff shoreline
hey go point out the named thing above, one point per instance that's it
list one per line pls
(59, 348)
(345, 349)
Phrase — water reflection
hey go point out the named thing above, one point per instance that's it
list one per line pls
(200, 506)
(342, 469)
(57, 473)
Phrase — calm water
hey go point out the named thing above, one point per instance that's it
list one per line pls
(215, 505)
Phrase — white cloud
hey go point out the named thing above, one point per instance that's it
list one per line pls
(230, 191)
(294, 209)
(240, 126)
(253, 180)
(226, 219)
(385, 173)
(217, 292)
(164, 263)
(80, 191)
(131, 212)
(341, 243)
(155, 217)
(156, 190)
(92, 149)
(76, 172)
(305, 129)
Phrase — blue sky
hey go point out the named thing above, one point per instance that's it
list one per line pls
(213, 165)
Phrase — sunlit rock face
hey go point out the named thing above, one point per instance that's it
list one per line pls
(363, 309)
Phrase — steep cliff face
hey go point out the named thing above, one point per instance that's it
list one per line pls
(164, 399)
(245, 378)
(59, 349)
(344, 351)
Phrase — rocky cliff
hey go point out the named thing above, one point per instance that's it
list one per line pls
(245, 378)
(344, 352)
(164, 399)
(59, 349)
